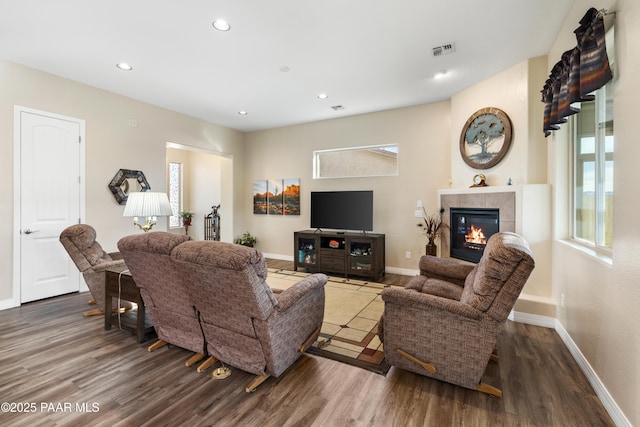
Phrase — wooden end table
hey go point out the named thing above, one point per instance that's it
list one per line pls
(119, 283)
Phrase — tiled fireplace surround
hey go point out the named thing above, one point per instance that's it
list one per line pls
(526, 210)
(505, 202)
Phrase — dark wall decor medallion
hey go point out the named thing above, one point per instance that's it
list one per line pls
(122, 182)
(485, 138)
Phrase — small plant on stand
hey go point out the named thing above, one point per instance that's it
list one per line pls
(186, 220)
(431, 229)
(246, 240)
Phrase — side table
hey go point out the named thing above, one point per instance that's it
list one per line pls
(119, 284)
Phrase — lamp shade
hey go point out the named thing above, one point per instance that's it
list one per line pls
(147, 204)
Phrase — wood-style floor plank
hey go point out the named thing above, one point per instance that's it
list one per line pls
(52, 355)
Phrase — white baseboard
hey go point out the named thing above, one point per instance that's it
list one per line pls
(533, 319)
(601, 391)
(8, 303)
(403, 271)
(278, 256)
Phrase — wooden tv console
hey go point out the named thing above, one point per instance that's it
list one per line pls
(348, 253)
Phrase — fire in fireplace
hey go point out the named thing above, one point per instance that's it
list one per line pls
(470, 230)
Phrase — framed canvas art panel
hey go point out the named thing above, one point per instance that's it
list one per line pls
(291, 196)
(260, 197)
(274, 196)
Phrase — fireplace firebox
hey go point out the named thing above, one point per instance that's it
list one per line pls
(470, 231)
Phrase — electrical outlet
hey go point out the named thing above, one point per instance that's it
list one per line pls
(407, 255)
(419, 203)
(417, 213)
(562, 301)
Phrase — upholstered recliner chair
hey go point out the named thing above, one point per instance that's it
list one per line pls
(163, 290)
(246, 324)
(445, 323)
(80, 242)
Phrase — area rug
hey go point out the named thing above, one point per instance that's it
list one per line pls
(351, 314)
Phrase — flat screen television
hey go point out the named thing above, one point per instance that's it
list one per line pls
(342, 210)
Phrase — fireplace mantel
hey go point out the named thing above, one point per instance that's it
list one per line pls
(531, 209)
(524, 209)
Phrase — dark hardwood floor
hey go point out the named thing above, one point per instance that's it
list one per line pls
(76, 373)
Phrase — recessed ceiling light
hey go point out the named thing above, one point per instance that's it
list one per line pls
(323, 96)
(242, 113)
(124, 66)
(440, 74)
(221, 25)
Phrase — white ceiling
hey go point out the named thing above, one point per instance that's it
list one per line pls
(367, 55)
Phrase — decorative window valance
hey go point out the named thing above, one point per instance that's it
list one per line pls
(579, 72)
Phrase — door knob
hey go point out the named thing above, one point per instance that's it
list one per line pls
(28, 231)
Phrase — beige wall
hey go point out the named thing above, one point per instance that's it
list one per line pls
(512, 91)
(111, 144)
(602, 296)
(422, 134)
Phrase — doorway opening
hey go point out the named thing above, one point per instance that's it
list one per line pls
(206, 182)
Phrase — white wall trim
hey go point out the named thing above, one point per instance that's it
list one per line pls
(278, 256)
(8, 303)
(402, 271)
(533, 319)
(15, 292)
(601, 391)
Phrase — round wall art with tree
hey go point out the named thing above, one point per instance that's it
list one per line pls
(485, 138)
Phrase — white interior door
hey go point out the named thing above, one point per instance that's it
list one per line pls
(50, 201)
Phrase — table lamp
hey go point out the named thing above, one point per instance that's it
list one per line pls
(149, 205)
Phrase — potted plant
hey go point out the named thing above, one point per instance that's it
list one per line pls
(186, 217)
(431, 229)
(246, 240)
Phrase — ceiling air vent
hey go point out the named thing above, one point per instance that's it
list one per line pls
(337, 107)
(445, 49)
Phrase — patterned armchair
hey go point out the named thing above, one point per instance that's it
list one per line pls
(80, 242)
(163, 289)
(444, 324)
(245, 323)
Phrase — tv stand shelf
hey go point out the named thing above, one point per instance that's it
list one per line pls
(350, 254)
